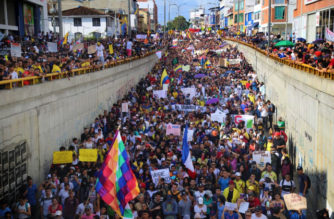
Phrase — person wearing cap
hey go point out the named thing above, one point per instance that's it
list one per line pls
(252, 184)
(231, 194)
(239, 183)
(258, 214)
(200, 208)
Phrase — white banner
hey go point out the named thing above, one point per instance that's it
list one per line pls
(158, 54)
(173, 129)
(125, 107)
(261, 158)
(234, 61)
(218, 116)
(160, 174)
(15, 49)
(189, 90)
(141, 36)
(160, 94)
(190, 135)
(187, 108)
(165, 87)
(52, 47)
(329, 35)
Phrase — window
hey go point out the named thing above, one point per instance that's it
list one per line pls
(96, 22)
(280, 12)
(241, 5)
(246, 17)
(236, 5)
(77, 22)
(279, 1)
(235, 18)
(241, 17)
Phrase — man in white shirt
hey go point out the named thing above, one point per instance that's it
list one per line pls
(64, 193)
(13, 74)
(81, 207)
(100, 52)
(258, 214)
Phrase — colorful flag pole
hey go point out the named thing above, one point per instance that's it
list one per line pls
(116, 183)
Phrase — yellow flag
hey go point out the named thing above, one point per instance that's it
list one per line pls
(88, 155)
(61, 157)
(111, 49)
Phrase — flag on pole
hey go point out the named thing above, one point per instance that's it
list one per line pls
(116, 183)
(111, 49)
(65, 38)
(164, 78)
(178, 68)
(186, 156)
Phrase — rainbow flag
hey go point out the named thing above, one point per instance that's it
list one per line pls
(164, 78)
(116, 183)
(178, 68)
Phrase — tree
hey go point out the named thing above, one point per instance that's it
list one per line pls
(179, 23)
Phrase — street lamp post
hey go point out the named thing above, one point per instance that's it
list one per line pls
(129, 20)
(60, 18)
(269, 24)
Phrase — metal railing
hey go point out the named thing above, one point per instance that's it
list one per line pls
(303, 67)
(21, 82)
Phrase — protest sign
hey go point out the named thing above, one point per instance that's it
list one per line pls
(248, 119)
(62, 157)
(186, 68)
(160, 94)
(243, 207)
(160, 174)
(190, 135)
(78, 46)
(165, 87)
(329, 35)
(173, 129)
(261, 157)
(231, 206)
(52, 47)
(294, 201)
(91, 49)
(187, 108)
(158, 54)
(141, 36)
(15, 49)
(218, 116)
(125, 107)
(88, 155)
(234, 61)
(191, 91)
(222, 62)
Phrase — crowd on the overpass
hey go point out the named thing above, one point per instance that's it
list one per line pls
(318, 54)
(242, 168)
(47, 53)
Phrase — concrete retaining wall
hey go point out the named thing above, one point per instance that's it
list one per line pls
(306, 102)
(49, 115)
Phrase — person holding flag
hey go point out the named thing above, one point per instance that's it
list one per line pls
(186, 156)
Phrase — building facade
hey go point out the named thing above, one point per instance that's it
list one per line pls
(312, 17)
(23, 17)
(83, 22)
(152, 9)
(197, 19)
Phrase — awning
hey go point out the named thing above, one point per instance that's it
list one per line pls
(254, 25)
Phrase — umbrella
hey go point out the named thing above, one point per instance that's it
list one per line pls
(301, 39)
(200, 76)
(211, 101)
(284, 43)
(318, 41)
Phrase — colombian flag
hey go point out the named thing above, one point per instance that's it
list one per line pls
(208, 64)
(164, 78)
(178, 68)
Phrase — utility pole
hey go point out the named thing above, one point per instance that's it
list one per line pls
(129, 20)
(238, 28)
(164, 18)
(60, 18)
(286, 22)
(269, 24)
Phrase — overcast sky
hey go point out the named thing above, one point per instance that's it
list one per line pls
(185, 7)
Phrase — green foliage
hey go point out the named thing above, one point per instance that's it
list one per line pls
(179, 23)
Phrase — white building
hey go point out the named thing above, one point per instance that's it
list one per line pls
(197, 17)
(83, 22)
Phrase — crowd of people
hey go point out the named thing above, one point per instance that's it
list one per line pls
(226, 175)
(318, 54)
(37, 60)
